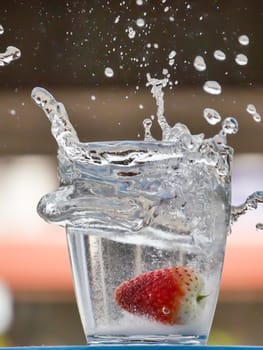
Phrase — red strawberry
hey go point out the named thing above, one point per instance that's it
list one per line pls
(170, 296)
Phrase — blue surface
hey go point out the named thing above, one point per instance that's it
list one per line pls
(139, 347)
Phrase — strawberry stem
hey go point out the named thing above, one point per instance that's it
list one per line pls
(200, 297)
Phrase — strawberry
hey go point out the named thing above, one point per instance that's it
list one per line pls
(170, 296)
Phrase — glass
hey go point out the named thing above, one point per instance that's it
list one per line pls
(146, 225)
(101, 264)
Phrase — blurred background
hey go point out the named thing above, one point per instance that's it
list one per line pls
(94, 56)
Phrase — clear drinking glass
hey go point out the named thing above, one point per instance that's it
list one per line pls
(139, 207)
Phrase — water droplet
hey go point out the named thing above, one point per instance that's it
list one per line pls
(141, 106)
(199, 63)
(117, 19)
(212, 87)
(147, 124)
(219, 55)
(139, 2)
(243, 40)
(93, 97)
(251, 109)
(211, 116)
(109, 72)
(241, 59)
(172, 54)
(12, 111)
(256, 117)
(171, 62)
(140, 22)
(156, 45)
(1, 29)
(131, 33)
(230, 126)
(12, 53)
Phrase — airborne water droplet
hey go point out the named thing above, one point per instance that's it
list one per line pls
(219, 55)
(109, 72)
(212, 87)
(1, 29)
(241, 59)
(12, 53)
(256, 117)
(230, 126)
(140, 22)
(251, 109)
(199, 63)
(131, 33)
(172, 54)
(243, 40)
(117, 19)
(211, 116)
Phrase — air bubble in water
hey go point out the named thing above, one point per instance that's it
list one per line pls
(109, 72)
(241, 59)
(251, 109)
(212, 87)
(199, 63)
(1, 29)
(219, 55)
(140, 22)
(230, 126)
(243, 40)
(211, 116)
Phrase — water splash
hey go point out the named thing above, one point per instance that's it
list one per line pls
(251, 203)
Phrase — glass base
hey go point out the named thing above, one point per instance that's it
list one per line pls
(148, 340)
